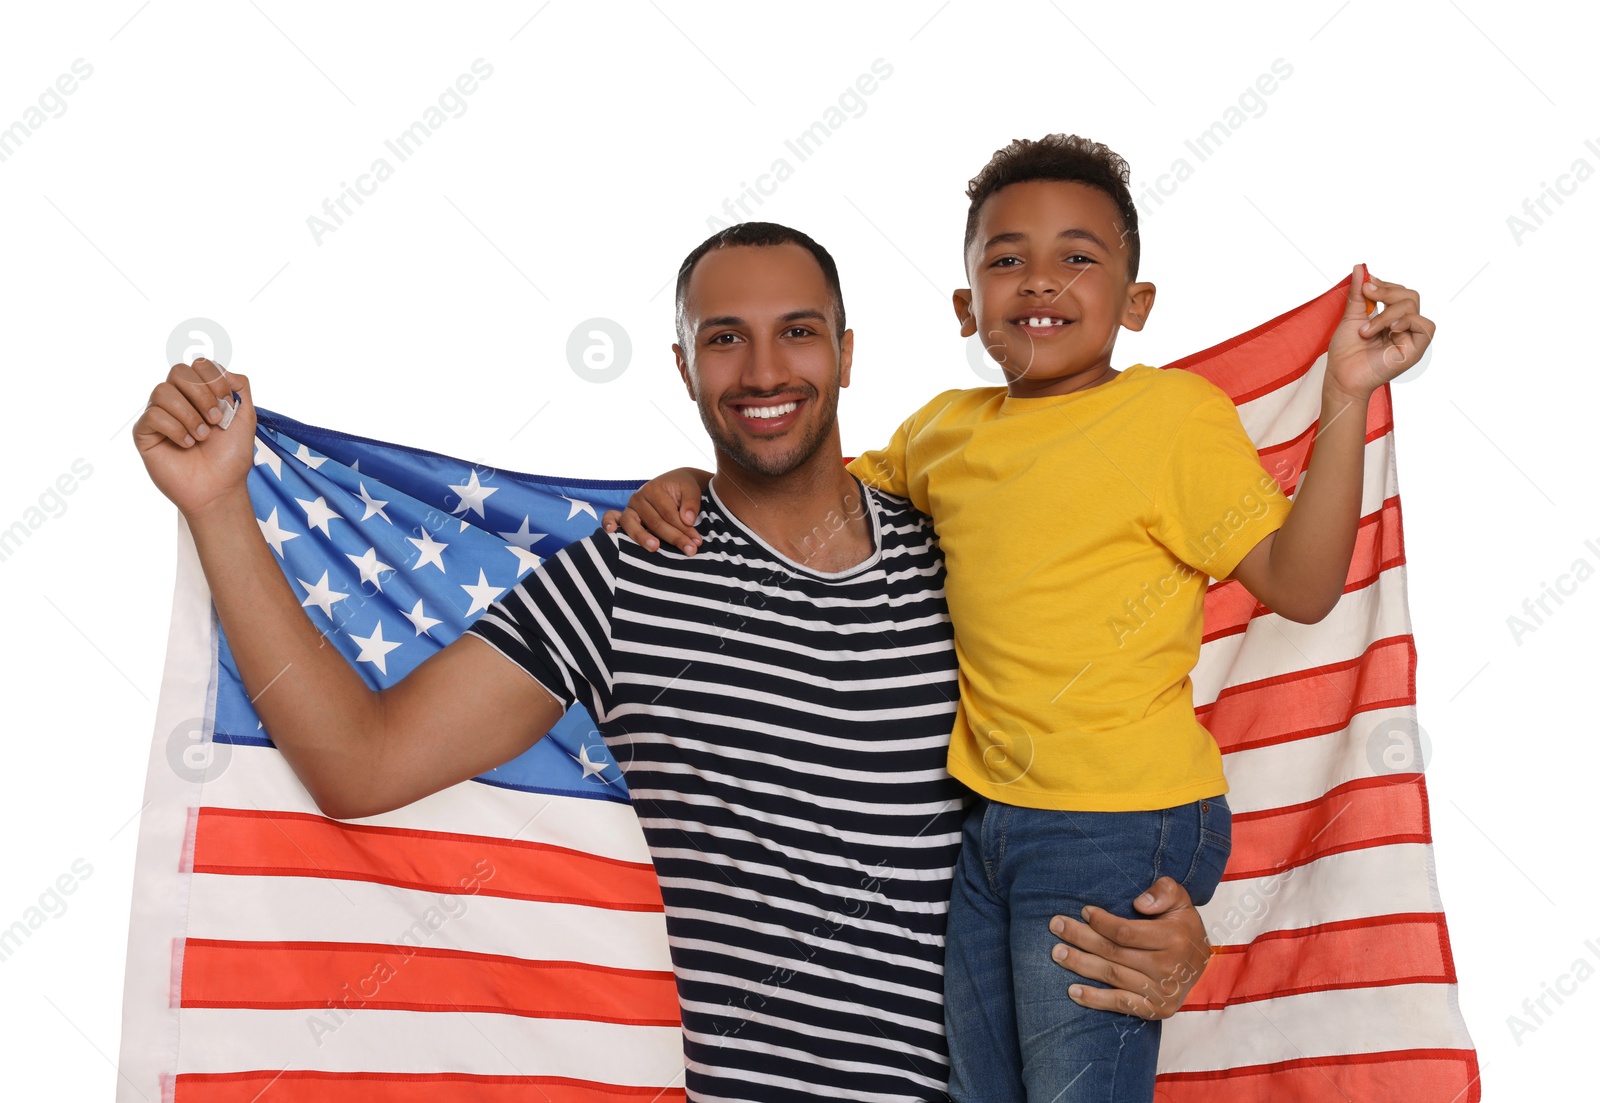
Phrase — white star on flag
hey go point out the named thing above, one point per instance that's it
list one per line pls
(321, 595)
(580, 506)
(472, 495)
(483, 594)
(265, 455)
(319, 513)
(431, 549)
(420, 620)
(522, 537)
(590, 766)
(370, 566)
(272, 533)
(526, 560)
(373, 505)
(374, 648)
(303, 454)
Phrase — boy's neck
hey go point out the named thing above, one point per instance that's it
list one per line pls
(1095, 376)
(815, 514)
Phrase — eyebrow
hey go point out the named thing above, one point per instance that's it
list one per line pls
(1016, 236)
(808, 314)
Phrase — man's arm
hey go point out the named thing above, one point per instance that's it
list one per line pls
(1299, 571)
(1148, 965)
(358, 751)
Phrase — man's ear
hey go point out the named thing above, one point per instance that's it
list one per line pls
(847, 350)
(1141, 298)
(961, 299)
(683, 370)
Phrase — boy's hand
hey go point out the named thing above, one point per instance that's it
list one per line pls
(189, 456)
(1149, 965)
(1367, 352)
(665, 507)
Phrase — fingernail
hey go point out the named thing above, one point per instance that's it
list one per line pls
(1147, 899)
(1059, 953)
(202, 431)
(1085, 911)
(187, 440)
(1075, 991)
(1058, 925)
(214, 414)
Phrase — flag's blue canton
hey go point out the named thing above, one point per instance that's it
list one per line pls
(395, 550)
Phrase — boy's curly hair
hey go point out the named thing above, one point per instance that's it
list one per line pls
(1058, 157)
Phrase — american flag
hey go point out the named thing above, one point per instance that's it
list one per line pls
(503, 939)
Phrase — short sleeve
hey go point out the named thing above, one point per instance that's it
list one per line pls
(1216, 501)
(885, 468)
(556, 622)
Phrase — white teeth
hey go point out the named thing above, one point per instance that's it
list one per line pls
(766, 412)
(1041, 322)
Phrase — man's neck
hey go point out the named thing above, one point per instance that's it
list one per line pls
(815, 515)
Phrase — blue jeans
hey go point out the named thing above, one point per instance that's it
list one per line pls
(1014, 1033)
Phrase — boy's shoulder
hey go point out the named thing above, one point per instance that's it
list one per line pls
(1180, 388)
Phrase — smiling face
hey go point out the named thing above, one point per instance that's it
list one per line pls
(1050, 288)
(764, 365)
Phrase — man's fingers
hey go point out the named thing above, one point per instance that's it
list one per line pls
(1162, 896)
(177, 404)
(1111, 999)
(155, 426)
(1132, 934)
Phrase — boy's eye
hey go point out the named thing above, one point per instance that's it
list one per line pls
(1005, 262)
(1079, 258)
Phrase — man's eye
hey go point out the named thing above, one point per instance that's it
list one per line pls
(798, 331)
(718, 339)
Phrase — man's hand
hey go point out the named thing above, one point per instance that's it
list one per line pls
(1149, 964)
(190, 457)
(666, 507)
(1367, 352)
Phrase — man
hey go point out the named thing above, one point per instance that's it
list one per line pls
(780, 702)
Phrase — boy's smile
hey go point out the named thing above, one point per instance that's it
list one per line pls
(1049, 286)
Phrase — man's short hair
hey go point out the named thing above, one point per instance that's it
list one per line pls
(1065, 157)
(759, 234)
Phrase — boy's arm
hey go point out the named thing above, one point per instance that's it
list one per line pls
(1299, 571)
(358, 751)
(666, 507)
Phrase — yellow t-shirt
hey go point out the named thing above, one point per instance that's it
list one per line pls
(1079, 531)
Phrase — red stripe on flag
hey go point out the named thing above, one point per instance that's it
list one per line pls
(1380, 951)
(1412, 1075)
(1315, 701)
(1287, 460)
(330, 976)
(1379, 545)
(1372, 811)
(297, 844)
(307, 1086)
(1282, 350)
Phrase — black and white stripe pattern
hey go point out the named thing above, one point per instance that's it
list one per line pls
(783, 733)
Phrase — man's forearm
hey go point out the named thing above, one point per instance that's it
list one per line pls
(319, 712)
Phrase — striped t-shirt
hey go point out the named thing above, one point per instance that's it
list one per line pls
(783, 733)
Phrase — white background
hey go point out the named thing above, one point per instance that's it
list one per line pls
(178, 183)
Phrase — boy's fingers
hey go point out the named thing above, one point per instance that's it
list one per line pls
(608, 519)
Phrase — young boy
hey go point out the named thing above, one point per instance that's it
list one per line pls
(1062, 501)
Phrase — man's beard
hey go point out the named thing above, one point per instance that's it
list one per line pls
(768, 463)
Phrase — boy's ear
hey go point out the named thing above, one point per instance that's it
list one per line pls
(847, 351)
(1141, 298)
(961, 299)
(683, 370)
